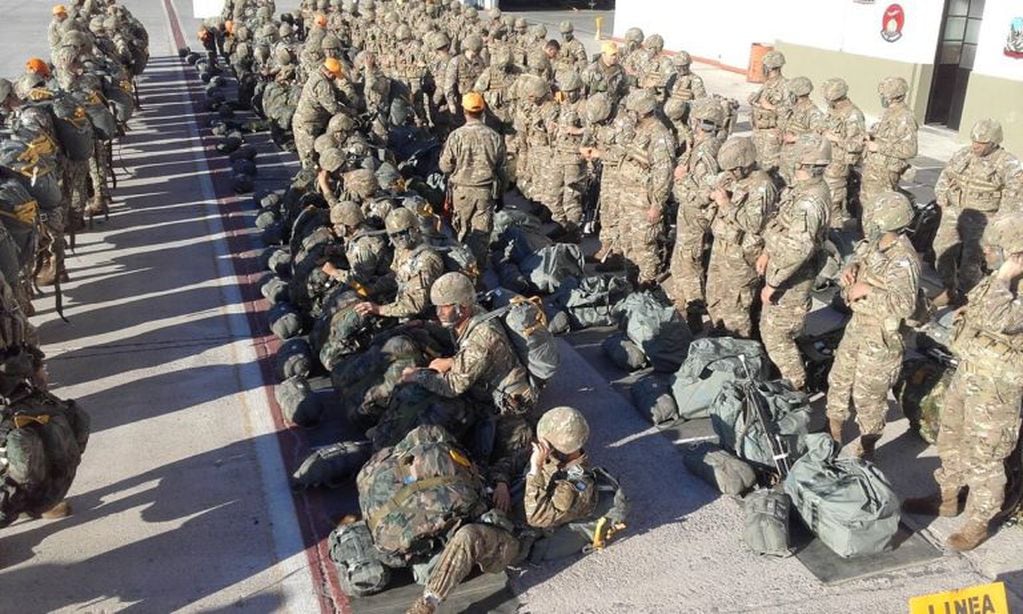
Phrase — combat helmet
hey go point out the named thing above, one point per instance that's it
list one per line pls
(1005, 233)
(987, 131)
(682, 58)
(347, 213)
(774, 59)
(641, 102)
(654, 42)
(329, 42)
(331, 159)
(813, 149)
(893, 211)
(570, 81)
(834, 89)
(737, 152)
(564, 428)
(362, 182)
(452, 289)
(800, 86)
(566, 27)
(634, 35)
(708, 111)
(598, 108)
(893, 87)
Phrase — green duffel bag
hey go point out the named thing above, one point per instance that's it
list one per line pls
(767, 522)
(625, 354)
(274, 289)
(298, 402)
(651, 396)
(285, 322)
(846, 502)
(332, 465)
(588, 534)
(654, 325)
(361, 570)
(709, 364)
(293, 358)
(720, 468)
(738, 429)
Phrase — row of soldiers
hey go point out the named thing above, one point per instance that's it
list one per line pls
(635, 126)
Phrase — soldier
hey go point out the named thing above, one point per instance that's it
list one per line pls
(534, 121)
(437, 70)
(890, 146)
(695, 211)
(565, 199)
(791, 259)
(845, 127)
(462, 72)
(746, 199)
(880, 286)
(606, 75)
(980, 420)
(365, 250)
(473, 157)
(645, 179)
(559, 489)
(57, 25)
(572, 49)
(677, 112)
(980, 183)
(323, 96)
(802, 117)
(416, 266)
(658, 69)
(605, 142)
(634, 55)
(769, 104)
(494, 84)
(685, 86)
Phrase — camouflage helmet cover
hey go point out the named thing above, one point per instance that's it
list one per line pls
(893, 211)
(566, 27)
(893, 87)
(564, 428)
(598, 108)
(737, 152)
(987, 131)
(452, 289)
(641, 101)
(400, 220)
(835, 89)
(800, 86)
(634, 35)
(1005, 233)
(346, 212)
(774, 59)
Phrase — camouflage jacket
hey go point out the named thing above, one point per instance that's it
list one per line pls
(988, 334)
(599, 77)
(437, 70)
(321, 99)
(650, 159)
(657, 72)
(738, 229)
(770, 103)
(366, 254)
(574, 53)
(687, 87)
(633, 61)
(802, 117)
(495, 85)
(535, 122)
(415, 271)
(793, 239)
(701, 166)
(990, 183)
(474, 156)
(847, 130)
(610, 138)
(459, 77)
(896, 138)
(558, 495)
(570, 116)
(893, 273)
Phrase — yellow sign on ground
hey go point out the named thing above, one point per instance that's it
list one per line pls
(983, 599)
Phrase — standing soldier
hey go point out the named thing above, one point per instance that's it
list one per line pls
(980, 421)
(565, 199)
(880, 286)
(571, 47)
(534, 122)
(645, 177)
(695, 211)
(437, 71)
(980, 182)
(845, 127)
(802, 117)
(792, 248)
(634, 55)
(746, 199)
(892, 144)
(462, 72)
(658, 69)
(322, 97)
(685, 86)
(769, 105)
(473, 157)
(494, 84)
(606, 75)
(57, 25)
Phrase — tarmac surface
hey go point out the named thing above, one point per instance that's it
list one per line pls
(182, 501)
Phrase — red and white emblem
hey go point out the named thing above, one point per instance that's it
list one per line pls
(891, 23)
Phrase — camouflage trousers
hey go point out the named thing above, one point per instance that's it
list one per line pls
(687, 269)
(538, 160)
(838, 184)
(305, 138)
(979, 428)
(638, 235)
(564, 196)
(99, 172)
(610, 209)
(876, 179)
(959, 257)
(491, 548)
(780, 323)
(768, 144)
(731, 290)
(75, 190)
(472, 218)
(867, 364)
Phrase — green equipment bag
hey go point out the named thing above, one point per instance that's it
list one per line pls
(361, 569)
(767, 522)
(298, 402)
(651, 395)
(589, 534)
(847, 502)
(413, 494)
(710, 363)
(332, 465)
(625, 354)
(294, 357)
(549, 267)
(921, 393)
(738, 429)
(274, 289)
(525, 323)
(595, 300)
(654, 325)
(720, 468)
(285, 321)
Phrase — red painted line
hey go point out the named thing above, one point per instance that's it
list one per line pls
(293, 446)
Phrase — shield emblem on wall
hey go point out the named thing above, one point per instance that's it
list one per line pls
(892, 21)
(1014, 42)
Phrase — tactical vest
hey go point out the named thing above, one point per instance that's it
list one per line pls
(986, 352)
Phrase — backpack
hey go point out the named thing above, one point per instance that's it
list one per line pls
(718, 467)
(767, 522)
(547, 268)
(103, 121)
(294, 357)
(738, 429)
(74, 131)
(33, 164)
(285, 322)
(710, 363)
(332, 465)
(298, 402)
(651, 395)
(595, 300)
(921, 391)
(525, 322)
(625, 354)
(361, 568)
(586, 535)
(657, 329)
(411, 495)
(846, 502)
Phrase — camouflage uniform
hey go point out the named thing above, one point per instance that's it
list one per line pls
(610, 138)
(869, 357)
(769, 105)
(534, 123)
(599, 77)
(846, 128)
(695, 213)
(802, 117)
(565, 197)
(685, 86)
(459, 78)
(972, 192)
(474, 156)
(792, 242)
(415, 270)
(322, 97)
(366, 252)
(980, 421)
(895, 136)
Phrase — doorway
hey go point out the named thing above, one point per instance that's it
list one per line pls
(957, 49)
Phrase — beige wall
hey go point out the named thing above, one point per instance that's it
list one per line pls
(863, 73)
(997, 99)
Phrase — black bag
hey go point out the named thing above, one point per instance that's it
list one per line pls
(294, 357)
(361, 570)
(625, 354)
(298, 402)
(332, 465)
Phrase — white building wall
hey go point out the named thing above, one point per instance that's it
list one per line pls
(994, 29)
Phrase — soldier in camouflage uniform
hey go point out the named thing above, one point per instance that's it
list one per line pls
(323, 96)
(533, 123)
(801, 117)
(605, 142)
(845, 127)
(462, 73)
(677, 114)
(558, 489)
(495, 84)
(745, 198)
(880, 286)
(693, 174)
(416, 266)
(769, 105)
(57, 26)
(605, 74)
(633, 55)
(657, 69)
(567, 168)
(793, 243)
(572, 49)
(980, 420)
(979, 184)
(645, 181)
(892, 143)
(473, 157)
(437, 70)
(685, 86)
(365, 250)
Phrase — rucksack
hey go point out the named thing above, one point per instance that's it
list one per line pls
(595, 300)
(625, 354)
(738, 429)
(588, 534)
(767, 522)
(547, 268)
(728, 474)
(525, 323)
(298, 402)
(847, 502)
(361, 567)
(710, 363)
(294, 357)
(34, 165)
(921, 390)
(74, 131)
(332, 465)
(657, 329)
(411, 495)
(651, 395)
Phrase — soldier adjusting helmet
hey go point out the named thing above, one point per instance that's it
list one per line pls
(893, 211)
(452, 289)
(564, 428)
(987, 131)
(835, 89)
(737, 152)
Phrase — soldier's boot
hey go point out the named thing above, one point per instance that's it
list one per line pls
(969, 536)
(865, 446)
(835, 429)
(600, 254)
(694, 311)
(945, 504)
(47, 271)
(97, 206)
(61, 510)
(422, 606)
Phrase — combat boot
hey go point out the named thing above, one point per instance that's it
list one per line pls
(422, 606)
(864, 447)
(969, 536)
(47, 271)
(600, 254)
(61, 510)
(835, 429)
(945, 504)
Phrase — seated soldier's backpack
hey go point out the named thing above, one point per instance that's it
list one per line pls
(738, 428)
(298, 402)
(651, 395)
(274, 289)
(767, 522)
(361, 568)
(294, 357)
(719, 468)
(710, 363)
(285, 322)
(411, 495)
(593, 533)
(846, 502)
(654, 325)
(595, 300)
(525, 323)
(349, 332)
(625, 354)
(332, 465)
